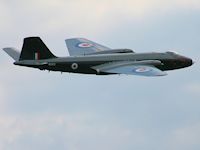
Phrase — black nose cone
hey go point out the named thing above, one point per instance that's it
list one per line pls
(189, 62)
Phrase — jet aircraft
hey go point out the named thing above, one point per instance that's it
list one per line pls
(88, 57)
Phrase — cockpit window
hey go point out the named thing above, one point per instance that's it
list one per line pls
(172, 53)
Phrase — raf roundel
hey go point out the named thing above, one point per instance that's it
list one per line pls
(85, 45)
(74, 66)
(142, 70)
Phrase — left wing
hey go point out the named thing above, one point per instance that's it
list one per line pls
(81, 46)
(142, 68)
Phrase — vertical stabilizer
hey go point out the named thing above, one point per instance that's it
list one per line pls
(35, 49)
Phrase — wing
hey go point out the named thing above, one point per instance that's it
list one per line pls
(131, 68)
(80, 46)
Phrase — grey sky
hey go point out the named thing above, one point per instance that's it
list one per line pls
(47, 111)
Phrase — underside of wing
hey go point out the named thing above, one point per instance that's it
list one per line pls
(131, 68)
(137, 70)
(81, 46)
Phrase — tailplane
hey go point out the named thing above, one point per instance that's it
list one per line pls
(12, 52)
(35, 49)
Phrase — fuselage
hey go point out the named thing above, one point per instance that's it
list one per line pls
(83, 64)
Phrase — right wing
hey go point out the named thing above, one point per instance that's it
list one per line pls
(141, 68)
(80, 46)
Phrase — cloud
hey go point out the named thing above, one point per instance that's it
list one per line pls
(185, 138)
(83, 130)
(4, 14)
(64, 131)
(193, 88)
(83, 16)
(3, 87)
(2, 97)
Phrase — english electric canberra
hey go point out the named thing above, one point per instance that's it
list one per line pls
(88, 57)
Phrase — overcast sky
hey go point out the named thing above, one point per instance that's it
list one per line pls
(48, 111)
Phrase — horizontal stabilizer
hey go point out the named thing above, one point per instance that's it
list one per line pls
(12, 52)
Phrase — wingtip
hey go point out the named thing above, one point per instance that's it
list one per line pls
(76, 38)
(162, 75)
(6, 48)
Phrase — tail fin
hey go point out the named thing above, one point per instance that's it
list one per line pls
(35, 49)
(12, 52)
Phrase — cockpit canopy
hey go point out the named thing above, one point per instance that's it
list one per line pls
(172, 52)
(113, 51)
